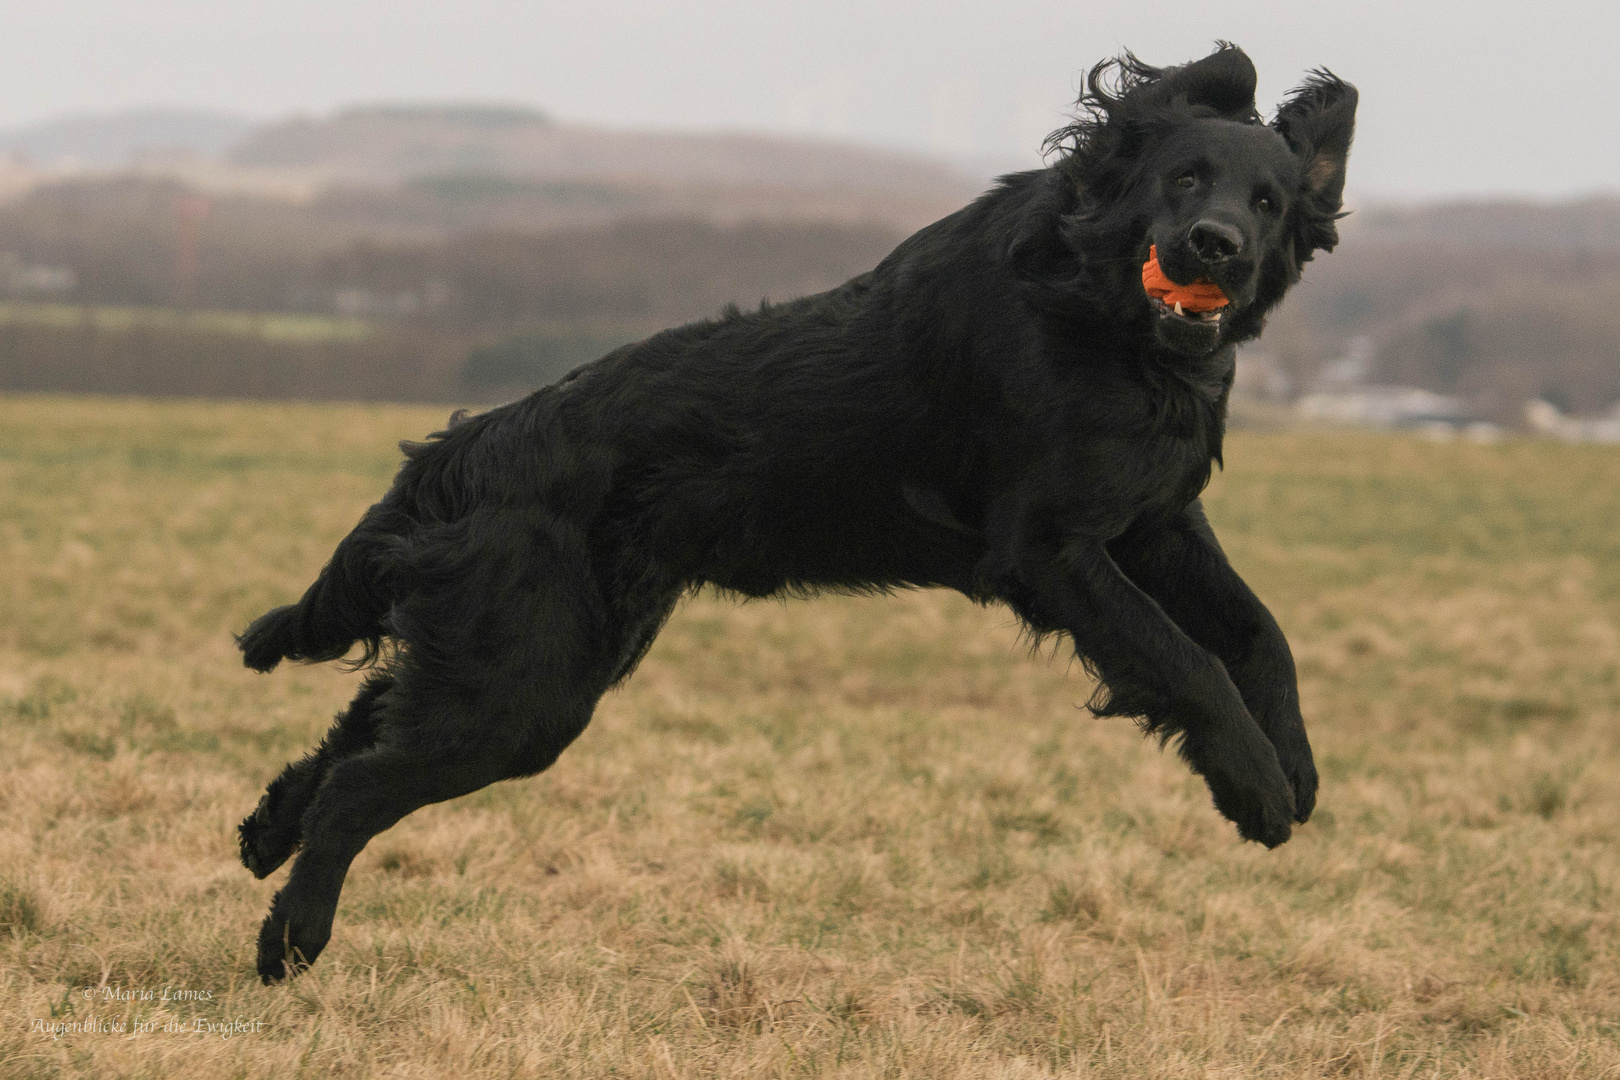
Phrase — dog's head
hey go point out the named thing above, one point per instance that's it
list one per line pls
(1177, 161)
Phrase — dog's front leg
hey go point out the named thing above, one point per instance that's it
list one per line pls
(1182, 567)
(1154, 670)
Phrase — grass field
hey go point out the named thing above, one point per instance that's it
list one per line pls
(272, 326)
(852, 838)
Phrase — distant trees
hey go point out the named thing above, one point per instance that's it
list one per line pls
(440, 300)
(173, 361)
(122, 238)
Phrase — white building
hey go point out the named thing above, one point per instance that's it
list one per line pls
(1543, 416)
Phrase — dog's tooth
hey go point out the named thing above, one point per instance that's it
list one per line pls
(1178, 307)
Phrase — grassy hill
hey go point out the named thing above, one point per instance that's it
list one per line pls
(852, 837)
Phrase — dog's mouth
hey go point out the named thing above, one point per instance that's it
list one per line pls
(1188, 316)
(1211, 317)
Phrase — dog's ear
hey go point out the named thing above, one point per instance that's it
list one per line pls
(1318, 122)
(1126, 103)
(1224, 81)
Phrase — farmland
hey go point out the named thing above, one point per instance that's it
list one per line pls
(853, 837)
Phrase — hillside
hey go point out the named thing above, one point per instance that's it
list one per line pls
(120, 285)
(1589, 224)
(113, 140)
(437, 167)
(1494, 302)
(390, 144)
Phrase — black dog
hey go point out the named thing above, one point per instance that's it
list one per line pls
(998, 408)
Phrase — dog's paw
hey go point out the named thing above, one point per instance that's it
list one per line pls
(1246, 779)
(1256, 798)
(288, 946)
(1298, 767)
(278, 960)
(269, 640)
(1264, 815)
(265, 846)
(1300, 771)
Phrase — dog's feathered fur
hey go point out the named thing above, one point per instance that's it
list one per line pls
(997, 408)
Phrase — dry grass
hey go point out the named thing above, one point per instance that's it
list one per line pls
(848, 838)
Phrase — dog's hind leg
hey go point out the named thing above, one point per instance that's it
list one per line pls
(432, 748)
(523, 651)
(272, 832)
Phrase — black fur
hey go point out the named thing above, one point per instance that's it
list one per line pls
(997, 408)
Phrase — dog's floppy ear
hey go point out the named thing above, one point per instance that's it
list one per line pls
(1224, 81)
(1127, 102)
(1318, 122)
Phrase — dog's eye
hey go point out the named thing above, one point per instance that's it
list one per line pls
(1263, 204)
(1186, 180)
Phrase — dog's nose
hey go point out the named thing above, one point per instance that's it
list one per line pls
(1215, 241)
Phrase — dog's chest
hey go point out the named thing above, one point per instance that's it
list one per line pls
(1175, 471)
(1171, 458)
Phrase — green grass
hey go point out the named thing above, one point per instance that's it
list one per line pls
(273, 326)
(852, 837)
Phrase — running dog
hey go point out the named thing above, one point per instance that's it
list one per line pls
(1022, 403)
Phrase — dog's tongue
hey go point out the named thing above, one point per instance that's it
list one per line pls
(1201, 295)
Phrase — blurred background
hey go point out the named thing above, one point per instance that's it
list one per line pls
(444, 203)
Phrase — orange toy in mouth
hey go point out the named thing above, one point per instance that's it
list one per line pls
(1201, 296)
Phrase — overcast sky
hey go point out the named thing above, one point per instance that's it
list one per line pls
(1458, 99)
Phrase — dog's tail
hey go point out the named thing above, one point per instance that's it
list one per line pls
(414, 538)
(346, 604)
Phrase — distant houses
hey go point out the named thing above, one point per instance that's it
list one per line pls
(1384, 407)
(1545, 417)
(1341, 394)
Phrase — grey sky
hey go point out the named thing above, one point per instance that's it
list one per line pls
(1457, 99)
